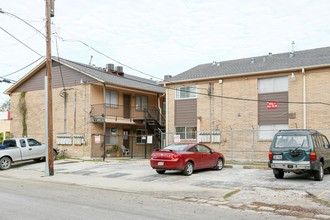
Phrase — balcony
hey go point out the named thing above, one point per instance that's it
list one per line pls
(101, 113)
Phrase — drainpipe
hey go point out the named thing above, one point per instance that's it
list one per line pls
(75, 109)
(167, 123)
(65, 110)
(304, 96)
(104, 124)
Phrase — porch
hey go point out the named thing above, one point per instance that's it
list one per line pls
(110, 113)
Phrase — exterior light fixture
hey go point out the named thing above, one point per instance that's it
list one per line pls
(293, 76)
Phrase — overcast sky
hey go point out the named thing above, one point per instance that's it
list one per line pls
(159, 37)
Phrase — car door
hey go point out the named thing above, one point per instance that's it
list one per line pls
(36, 149)
(196, 156)
(25, 152)
(204, 156)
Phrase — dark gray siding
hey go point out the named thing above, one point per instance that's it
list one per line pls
(186, 112)
(70, 78)
(273, 116)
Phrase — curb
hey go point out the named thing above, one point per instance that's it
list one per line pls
(242, 166)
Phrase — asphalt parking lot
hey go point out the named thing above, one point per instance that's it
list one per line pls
(235, 187)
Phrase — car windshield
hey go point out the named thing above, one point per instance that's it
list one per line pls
(291, 141)
(177, 147)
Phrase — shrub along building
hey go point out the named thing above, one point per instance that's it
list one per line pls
(236, 106)
(91, 106)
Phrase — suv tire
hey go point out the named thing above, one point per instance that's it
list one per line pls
(319, 174)
(279, 174)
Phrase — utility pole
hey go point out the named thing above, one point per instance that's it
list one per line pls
(49, 11)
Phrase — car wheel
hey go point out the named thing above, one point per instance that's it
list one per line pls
(279, 174)
(318, 174)
(5, 163)
(188, 169)
(160, 171)
(219, 165)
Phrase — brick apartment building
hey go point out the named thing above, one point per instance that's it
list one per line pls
(91, 106)
(236, 106)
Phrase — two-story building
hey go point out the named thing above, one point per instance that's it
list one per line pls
(236, 106)
(93, 109)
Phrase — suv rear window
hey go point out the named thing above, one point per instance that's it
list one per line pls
(291, 141)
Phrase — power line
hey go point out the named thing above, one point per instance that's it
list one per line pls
(254, 100)
(22, 68)
(59, 63)
(85, 44)
(206, 94)
(1, 11)
(20, 41)
(99, 52)
(10, 14)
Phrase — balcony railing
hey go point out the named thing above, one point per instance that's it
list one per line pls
(120, 111)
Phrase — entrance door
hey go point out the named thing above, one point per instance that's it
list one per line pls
(126, 138)
(127, 106)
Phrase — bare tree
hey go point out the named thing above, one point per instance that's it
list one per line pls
(5, 107)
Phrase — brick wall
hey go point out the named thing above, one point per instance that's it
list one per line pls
(225, 114)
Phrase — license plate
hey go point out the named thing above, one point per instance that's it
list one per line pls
(160, 163)
(277, 157)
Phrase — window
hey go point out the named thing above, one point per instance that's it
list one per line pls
(141, 136)
(267, 132)
(22, 143)
(33, 142)
(186, 133)
(111, 98)
(272, 115)
(185, 92)
(315, 141)
(9, 143)
(111, 136)
(203, 149)
(325, 141)
(293, 141)
(269, 85)
(193, 149)
(141, 103)
(177, 147)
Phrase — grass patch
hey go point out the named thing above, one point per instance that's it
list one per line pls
(319, 201)
(247, 162)
(231, 193)
(279, 189)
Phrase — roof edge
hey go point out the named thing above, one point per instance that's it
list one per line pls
(246, 74)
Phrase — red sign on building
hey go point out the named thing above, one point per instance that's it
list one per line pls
(272, 105)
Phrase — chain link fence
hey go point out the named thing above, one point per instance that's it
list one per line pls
(236, 145)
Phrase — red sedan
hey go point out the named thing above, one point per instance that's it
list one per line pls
(186, 157)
